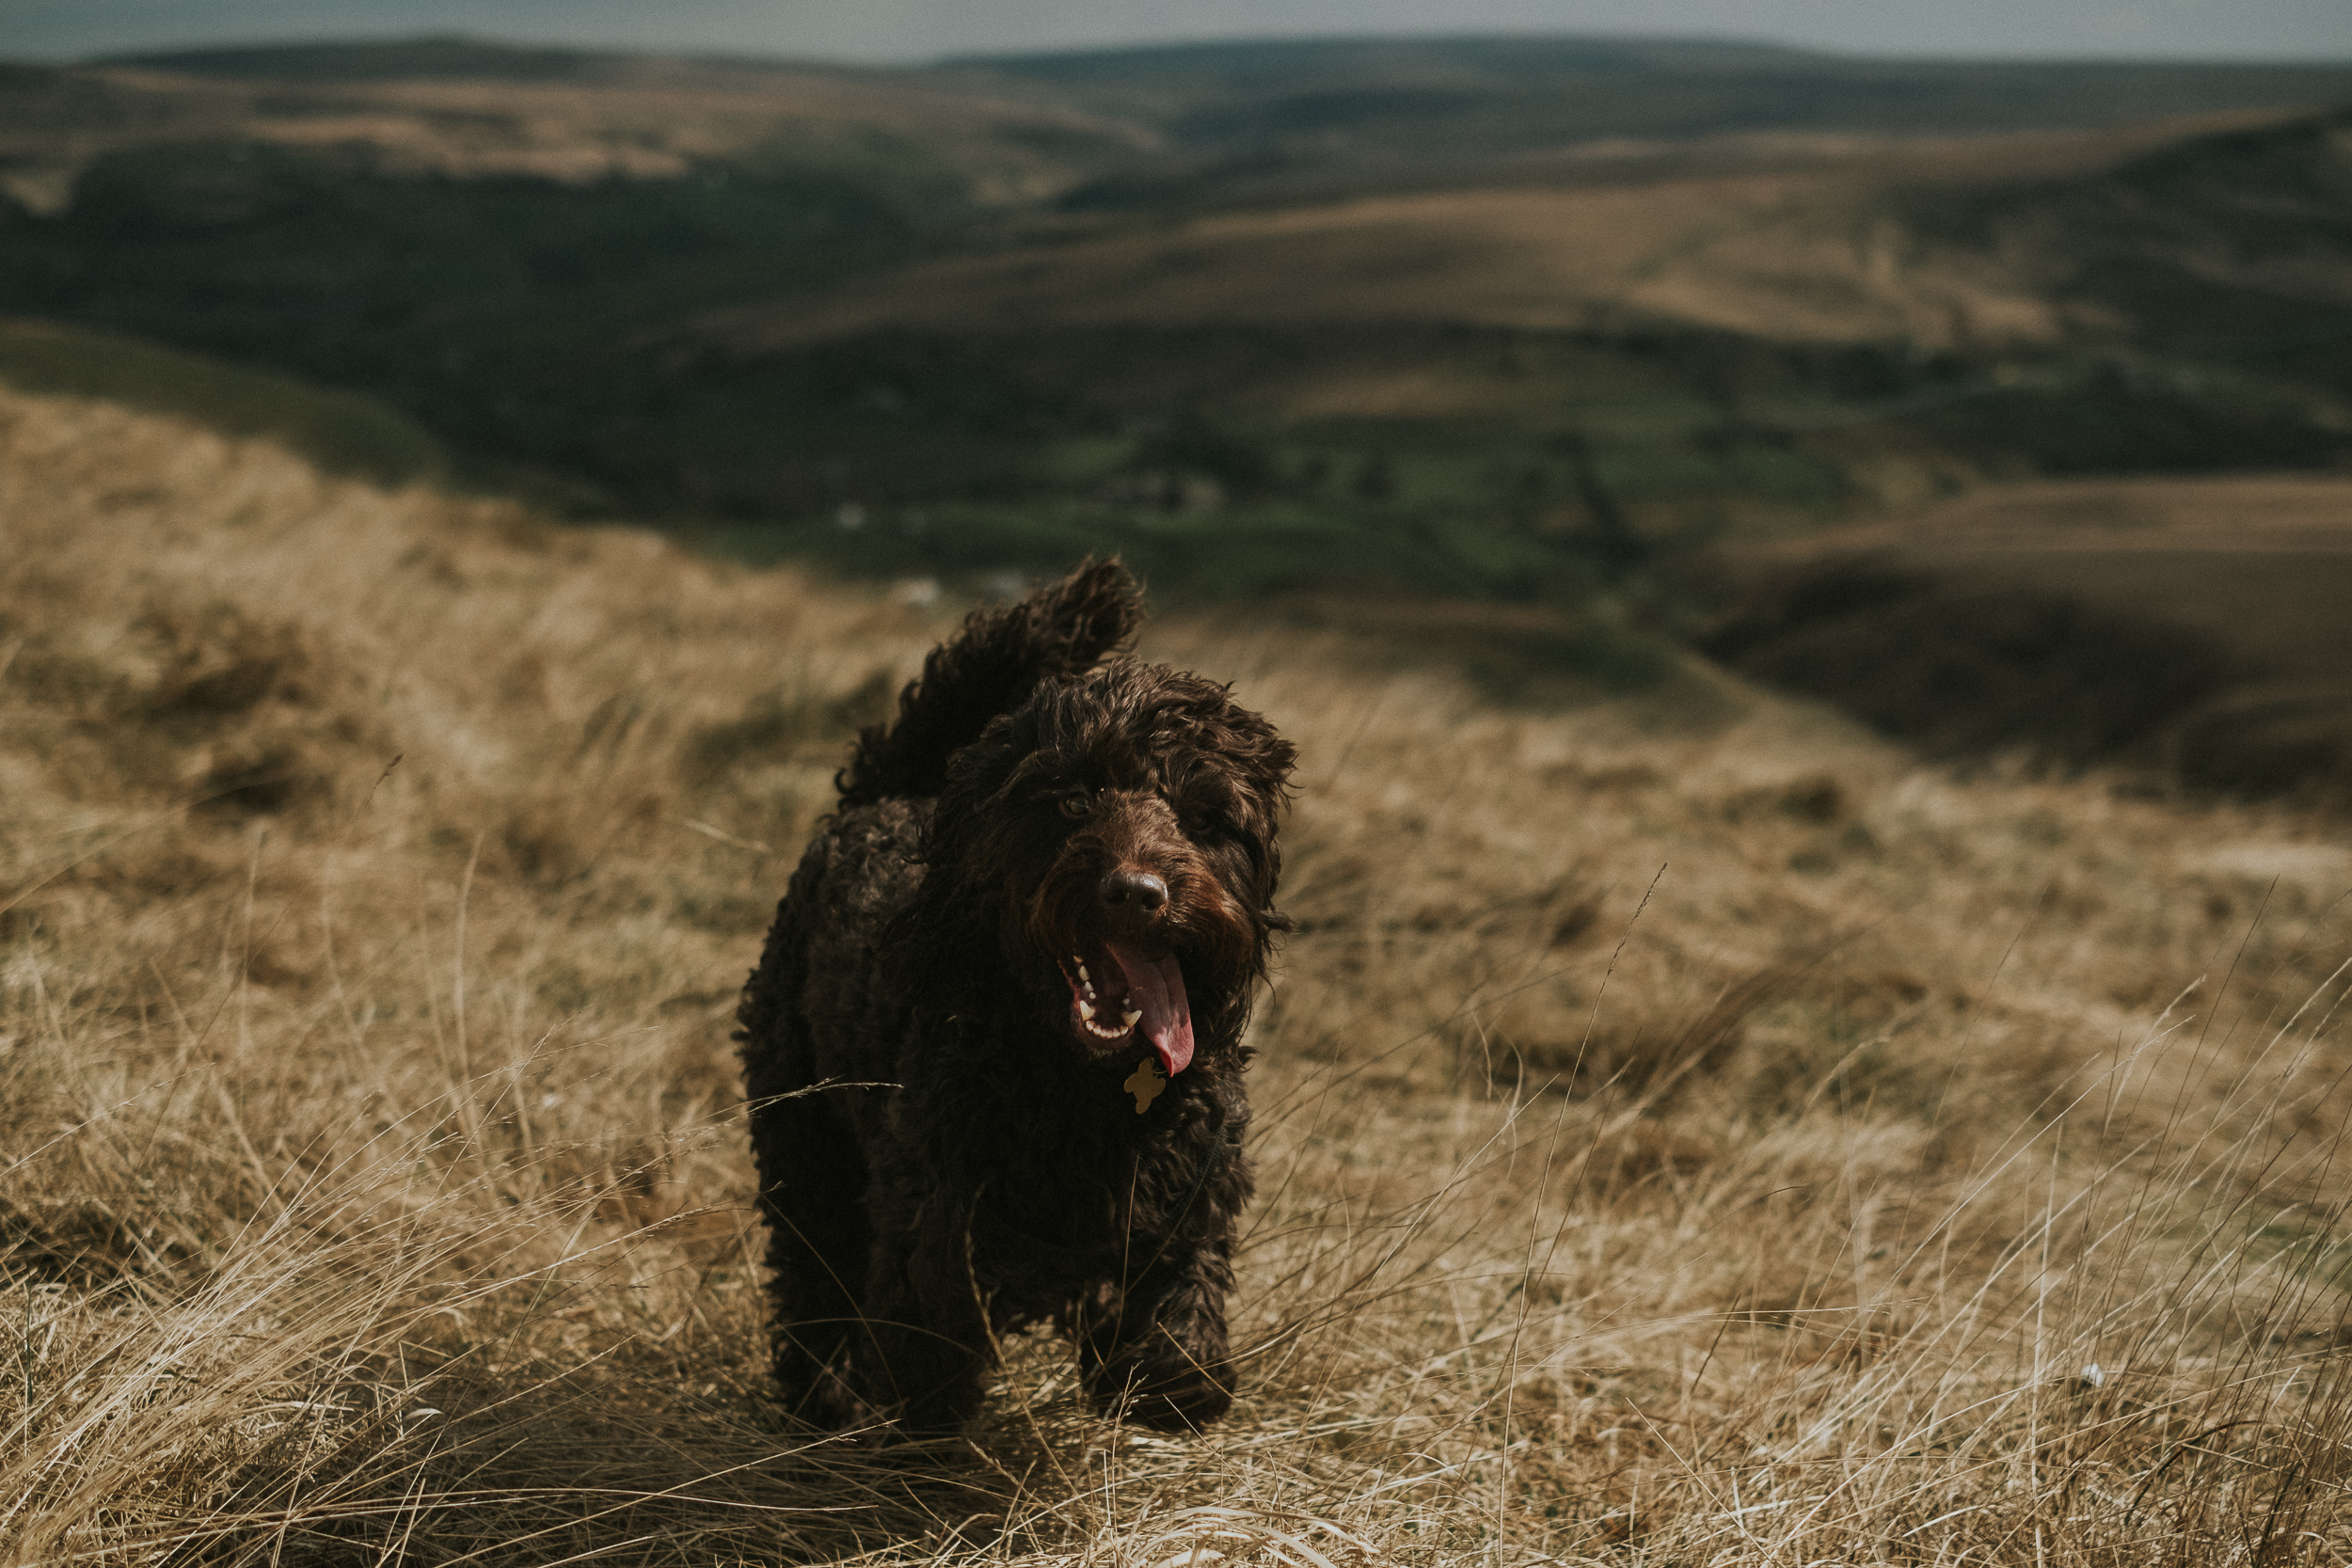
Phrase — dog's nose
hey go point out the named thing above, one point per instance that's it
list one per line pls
(1137, 891)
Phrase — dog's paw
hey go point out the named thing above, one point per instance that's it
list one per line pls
(1166, 1394)
(844, 1407)
(1189, 1410)
(820, 1394)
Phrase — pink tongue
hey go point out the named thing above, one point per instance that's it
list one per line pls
(1156, 989)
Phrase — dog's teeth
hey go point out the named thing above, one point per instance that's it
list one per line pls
(1085, 1011)
(1103, 1031)
(1131, 1016)
(1082, 973)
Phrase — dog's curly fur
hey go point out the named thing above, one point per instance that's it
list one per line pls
(947, 1144)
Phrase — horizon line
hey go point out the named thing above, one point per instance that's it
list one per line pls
(1169, 46)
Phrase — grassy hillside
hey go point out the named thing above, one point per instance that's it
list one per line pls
(2219, 254)
(339, 431)
(1255, 116)
(1690, 1130)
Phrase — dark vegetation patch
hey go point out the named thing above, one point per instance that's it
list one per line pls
(2104, 423)
(504, 313)
(1962, 670)
(1965, 665)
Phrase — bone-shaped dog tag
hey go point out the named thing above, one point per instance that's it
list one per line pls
(1145, 1083)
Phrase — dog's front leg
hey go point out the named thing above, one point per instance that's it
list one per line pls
(926, 1338)
(1156, 1354)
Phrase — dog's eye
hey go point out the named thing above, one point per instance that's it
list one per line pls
(1205, 822)
(1075, 806)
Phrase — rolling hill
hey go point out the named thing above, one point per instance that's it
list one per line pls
(1721, 286)
(335, 429)
(1543, 323)
(2192, 630)
(472, 111)
(1259, 117)
(2226, 251)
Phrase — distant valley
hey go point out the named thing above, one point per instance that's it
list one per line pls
(1554, 321)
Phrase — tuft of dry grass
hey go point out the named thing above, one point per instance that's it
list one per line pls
(1692, 1133)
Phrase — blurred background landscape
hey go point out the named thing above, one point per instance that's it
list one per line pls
(1631, 336)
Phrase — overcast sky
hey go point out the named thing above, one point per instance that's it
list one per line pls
(912, 30)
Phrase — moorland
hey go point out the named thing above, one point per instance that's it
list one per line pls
(1691, 1128)
(1542, 321)
(1806, 591)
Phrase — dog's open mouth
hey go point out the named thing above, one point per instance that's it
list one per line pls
(1120, 991)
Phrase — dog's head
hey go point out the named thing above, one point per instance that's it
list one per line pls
(1118, 831)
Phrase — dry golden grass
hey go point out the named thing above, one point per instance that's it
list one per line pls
(1690, 1134)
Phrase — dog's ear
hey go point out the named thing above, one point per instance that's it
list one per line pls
(1088, 615)
(987, 669)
